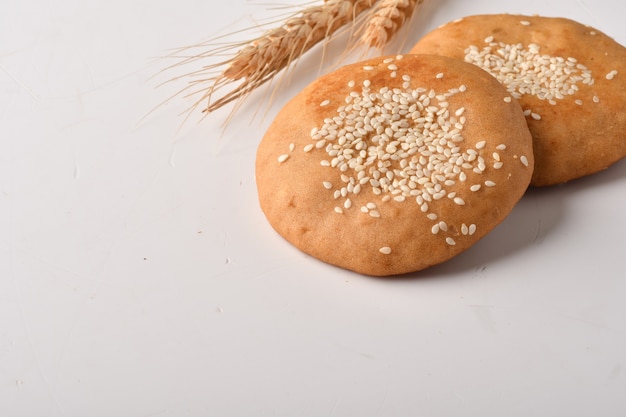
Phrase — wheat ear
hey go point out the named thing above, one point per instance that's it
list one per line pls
(384, 20)
(261, 59)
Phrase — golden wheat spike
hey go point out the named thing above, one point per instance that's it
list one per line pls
(255, 62)
(383, 21)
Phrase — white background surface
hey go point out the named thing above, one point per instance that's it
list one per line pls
(139, 278)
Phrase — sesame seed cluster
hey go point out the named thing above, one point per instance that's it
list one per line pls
(403, 145)
(526, 71)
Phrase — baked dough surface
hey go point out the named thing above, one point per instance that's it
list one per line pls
(394, 164)
(569, 78)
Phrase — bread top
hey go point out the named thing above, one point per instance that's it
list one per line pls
(394, 164)
(569, 78)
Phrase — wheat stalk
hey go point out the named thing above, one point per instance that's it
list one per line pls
(259, 60)
(253, 63)
(384, 20)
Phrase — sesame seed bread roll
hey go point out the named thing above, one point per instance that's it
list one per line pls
(394, 164)
(569, 78)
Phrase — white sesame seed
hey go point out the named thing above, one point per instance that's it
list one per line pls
(611, 75)
(374, 213)
(464, 229)
(490, 183)
(524, 22)
(392, 67)
(475, 187)
(472, 229)
(535, 116)
(368, 68)
(283, 158)
(435, 229)
(328, 185)
(596, 99)
(507, 99)
(481, 144)
(439, 76)
(524, 160)
(450, 241)
(325, 103)
(459, 201)
(338, 210)
(385, 250)
(347, 204)
(308, 147)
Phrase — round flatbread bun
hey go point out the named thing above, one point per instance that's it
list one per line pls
(394, 164)
(569, 78)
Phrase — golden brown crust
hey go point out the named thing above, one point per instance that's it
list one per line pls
(324, 211)
(578, 134)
